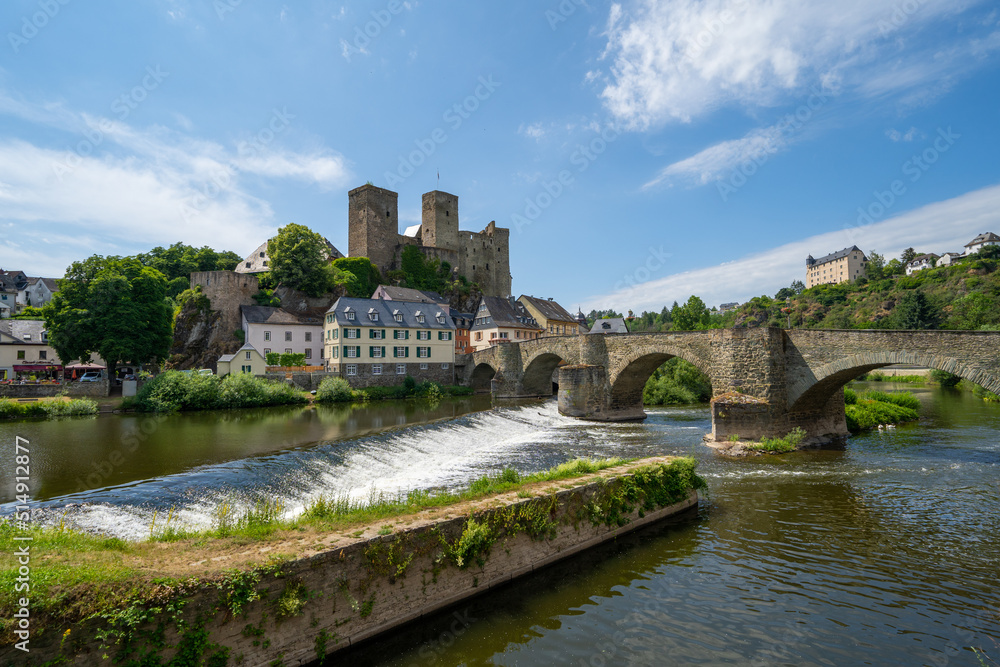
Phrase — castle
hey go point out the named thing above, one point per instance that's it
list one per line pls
(373, 224)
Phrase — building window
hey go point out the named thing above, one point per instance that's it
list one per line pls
(20, 355)
(479, 335)
(246, 369)
(288, 336)
(350, 315)
(398, 317)
(423, 367)
(400, 369)
(351, 351)
(247, 355)
(309, 336)
(267, 351)
(309, 353)
(376, 369)
(423, 352)
(376, 333)
(321, 353)
(373, 316)
(400, 334)
(248, 266)
(42, 354)
(288, 350)
(376, 352)
(263, 254)
(399, 352)
(334, 352)
(423, 335)
(444, 335)
(445, 366)
(352, 369)
(267, 335)
(351, 333)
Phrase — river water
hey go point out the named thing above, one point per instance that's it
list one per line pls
(881, 551)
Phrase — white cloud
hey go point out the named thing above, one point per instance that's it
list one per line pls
(721, 159)
(910, 135)
(679, 59)
(125, 186)
(940, 227)
(534, 131)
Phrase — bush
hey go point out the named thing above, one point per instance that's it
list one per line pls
(176, 391)
(944, 378)
(73, 408)
(873, 408)
(334, 390)
(850, 397)
(676, 382)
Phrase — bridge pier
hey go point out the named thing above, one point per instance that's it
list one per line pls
(585, 393)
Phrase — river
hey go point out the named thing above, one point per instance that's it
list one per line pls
(880, 551)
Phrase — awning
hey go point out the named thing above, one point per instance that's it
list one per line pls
(85, 367)
(36, 369)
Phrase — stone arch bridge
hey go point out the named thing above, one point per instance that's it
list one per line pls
(765, 381)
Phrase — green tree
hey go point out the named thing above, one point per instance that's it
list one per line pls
(989, 252)
(798, 286)
(114, 307)
(894, 267)
(913, 311)
(366, 277)
(876, 266)
(908, 255)
(692, 316)
(298, 259)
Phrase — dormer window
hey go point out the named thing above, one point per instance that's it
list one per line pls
(27, 337)
(373, 315)
(349, 313)
(398, 316)
(420, 316)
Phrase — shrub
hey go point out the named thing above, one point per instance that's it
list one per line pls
(77, 407)
(944, 378)
(850, 397)
(876, 407)
(173, 391)
(334, 390)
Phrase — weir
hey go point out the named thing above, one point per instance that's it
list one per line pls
(765, 381)
(297, 600)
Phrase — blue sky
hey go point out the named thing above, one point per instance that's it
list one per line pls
(640, 151)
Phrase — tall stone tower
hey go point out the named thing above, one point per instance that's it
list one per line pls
(373, 225)
(439, 220)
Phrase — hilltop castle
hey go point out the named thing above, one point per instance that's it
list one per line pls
(373, 224)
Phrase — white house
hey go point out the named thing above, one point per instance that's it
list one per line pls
(246, 360)
(981, 241)
(921, 262)
(277, 330)
(949, 258)
(39, 291)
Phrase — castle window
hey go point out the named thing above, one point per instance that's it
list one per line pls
(387, 214)
(262, 254)
(446, 214)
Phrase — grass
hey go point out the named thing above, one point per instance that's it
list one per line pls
(779, 445)
(338, 390)
(11, 409)
(77, 575)
(876, 376)
(869, 409)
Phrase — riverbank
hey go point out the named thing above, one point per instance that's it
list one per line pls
(299, 592)
(46, 408)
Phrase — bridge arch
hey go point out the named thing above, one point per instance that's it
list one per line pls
(813, 393)
(482, 375)
(540, 359)
(631, 372)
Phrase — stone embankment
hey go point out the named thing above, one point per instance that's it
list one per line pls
(292, 601)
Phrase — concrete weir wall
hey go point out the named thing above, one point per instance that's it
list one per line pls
(340, 596)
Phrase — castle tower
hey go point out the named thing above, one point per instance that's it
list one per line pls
(373, 225)
(439, 220)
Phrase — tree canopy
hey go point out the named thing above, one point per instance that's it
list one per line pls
(114, 307)
(298, 259)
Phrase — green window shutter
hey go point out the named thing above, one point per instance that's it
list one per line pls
(428, 352)
(407, 335)
(407, 351)
(383, 352)
(371, 350)
(371, 333)
(383, 334)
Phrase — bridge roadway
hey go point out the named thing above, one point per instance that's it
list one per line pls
(765, 381)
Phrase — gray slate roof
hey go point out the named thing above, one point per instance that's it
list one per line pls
(610, 325)
(985, 237)
(549, 309)
(393, 293)
(387, 311)
(269, 315)
(501, 312)
(839, 254)
(18, 329)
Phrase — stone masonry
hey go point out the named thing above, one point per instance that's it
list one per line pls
(373, 232)
(765, 381)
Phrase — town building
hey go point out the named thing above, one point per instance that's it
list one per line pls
(553, 318)
(25, 350)
(12, 284)
(502, 320)
(38, 291)
(378, 342)
(245, 360)
(949, 258)
(983, 240)
(921, 262)
(277, 330)
(610, 325)
(259, 261)
(393, 293)
(373, 228)
(463, 328)
(726, 307)
(842, 266)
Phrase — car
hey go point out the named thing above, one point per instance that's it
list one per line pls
(204, 371)
(91, 376)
